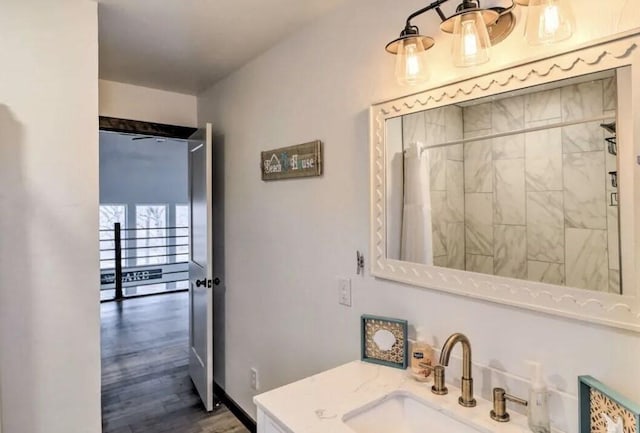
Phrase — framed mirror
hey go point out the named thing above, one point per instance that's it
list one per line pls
(520, 186)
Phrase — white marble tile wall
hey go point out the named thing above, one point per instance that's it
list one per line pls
(510, 251)
(413, 129)
(509, 192)
(440, 261)
(478, 167)
(585, 201)
(610, 93)
(479, 223)
(507, 114)
(545, 226)
(614, 281)
(453, 155)
(455, 190)
(587, 260)
(551, 273)
(543, 159)
(438, 168)
(479, 263)
(455, 246)
(477, 117)
(542, 106)
(454, 131)
(544, 179)
(584, 137)
(439, 217)
(581, 101)
(536, 204)
(511, 147)
(591, 225)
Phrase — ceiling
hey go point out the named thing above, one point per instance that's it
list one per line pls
(187, 45)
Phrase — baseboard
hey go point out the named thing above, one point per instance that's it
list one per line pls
(235, 409)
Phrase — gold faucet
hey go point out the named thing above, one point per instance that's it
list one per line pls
(466, 399)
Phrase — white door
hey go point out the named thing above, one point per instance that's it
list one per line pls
(200, 265)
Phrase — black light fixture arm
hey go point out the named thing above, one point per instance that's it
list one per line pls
(466, 4)
(435, 5)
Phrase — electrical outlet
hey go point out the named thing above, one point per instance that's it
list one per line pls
(344, 291)
(253, 379)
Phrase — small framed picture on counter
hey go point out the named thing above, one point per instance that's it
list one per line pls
(604, 410)
(384, 341)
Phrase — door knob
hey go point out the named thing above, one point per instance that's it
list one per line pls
(202, 282)
(216, 281)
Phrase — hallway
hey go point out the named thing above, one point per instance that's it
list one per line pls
(145, 383)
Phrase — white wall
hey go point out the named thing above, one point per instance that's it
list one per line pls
(127, 101)
(49, 303)
(287, 241)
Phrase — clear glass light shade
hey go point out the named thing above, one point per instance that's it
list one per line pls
(549, 21)
(411, 62)
(471, 43)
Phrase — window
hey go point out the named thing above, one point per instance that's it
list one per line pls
(182, 233)
(151, 241)
(109, 215)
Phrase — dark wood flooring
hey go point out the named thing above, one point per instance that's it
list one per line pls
(145, 382)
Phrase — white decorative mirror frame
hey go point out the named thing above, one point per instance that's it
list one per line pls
(623, 311)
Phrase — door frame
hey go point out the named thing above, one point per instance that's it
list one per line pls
(115, 124)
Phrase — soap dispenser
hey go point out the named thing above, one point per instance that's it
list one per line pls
(538, 413)
(421, 353)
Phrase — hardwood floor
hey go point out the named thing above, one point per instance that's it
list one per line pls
(145, 382)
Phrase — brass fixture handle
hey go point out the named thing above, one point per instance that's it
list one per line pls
(439, 387)
(500, 397)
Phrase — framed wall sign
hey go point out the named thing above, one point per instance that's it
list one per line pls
(301, 160)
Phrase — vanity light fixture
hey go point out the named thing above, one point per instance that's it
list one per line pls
(410, 49)
(548, 21)
(471, 44)
(475, 30)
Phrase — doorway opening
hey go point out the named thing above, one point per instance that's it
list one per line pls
(152, 233)
(144, 215)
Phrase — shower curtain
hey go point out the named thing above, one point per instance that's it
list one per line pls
(416, 245)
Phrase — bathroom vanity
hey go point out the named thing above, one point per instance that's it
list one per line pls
(525, 194)
(360, 397)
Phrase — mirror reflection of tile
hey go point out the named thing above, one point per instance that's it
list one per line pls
(536, 205)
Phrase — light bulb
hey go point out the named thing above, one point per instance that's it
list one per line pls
(411, 65)
(471, 44)
(548, 21)
(470, 36)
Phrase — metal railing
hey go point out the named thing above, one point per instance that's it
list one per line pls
(134, 257)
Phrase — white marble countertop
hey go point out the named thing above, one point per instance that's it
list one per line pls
(318, 403)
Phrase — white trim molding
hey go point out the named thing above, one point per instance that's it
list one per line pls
(620, 52)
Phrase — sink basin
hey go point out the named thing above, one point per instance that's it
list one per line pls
(402, 412)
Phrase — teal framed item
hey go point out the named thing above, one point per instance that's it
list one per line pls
(384, 341)
(604, 410)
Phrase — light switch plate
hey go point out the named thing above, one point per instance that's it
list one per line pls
(253, 379)
(344, 291)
